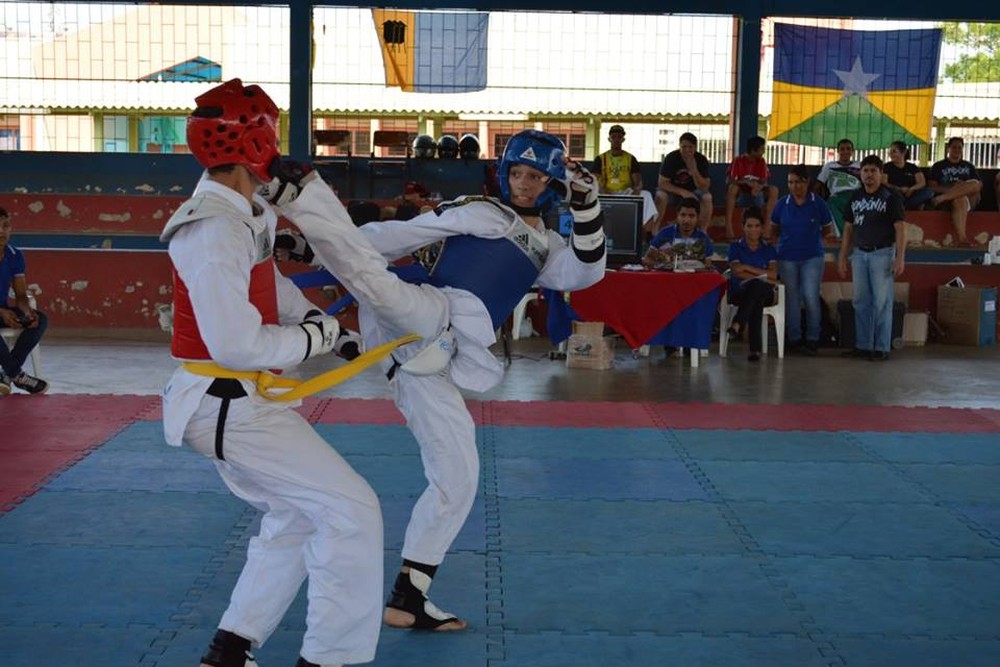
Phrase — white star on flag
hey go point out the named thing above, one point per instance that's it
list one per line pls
(856, 81)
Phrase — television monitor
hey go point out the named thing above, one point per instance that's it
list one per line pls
(622, 226)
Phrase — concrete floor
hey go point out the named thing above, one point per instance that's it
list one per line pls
(932, 376)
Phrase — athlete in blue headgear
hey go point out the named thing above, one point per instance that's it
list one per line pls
(494, 250)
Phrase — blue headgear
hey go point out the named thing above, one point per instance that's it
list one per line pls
(540, 150)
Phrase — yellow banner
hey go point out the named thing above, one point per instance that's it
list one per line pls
(397, 36)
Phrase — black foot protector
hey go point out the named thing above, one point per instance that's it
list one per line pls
(228, 650)
(409, 594)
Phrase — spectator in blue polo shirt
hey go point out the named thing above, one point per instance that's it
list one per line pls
(753, 273)
(683, 240)
(800, 221)
(32, 323)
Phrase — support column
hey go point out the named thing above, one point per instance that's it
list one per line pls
(300, 82)
(747, 102)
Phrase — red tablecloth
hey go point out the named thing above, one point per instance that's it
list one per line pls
(639, 304)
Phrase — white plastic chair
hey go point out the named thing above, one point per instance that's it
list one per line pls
(519, 311)
(10, 337)
(727, 313)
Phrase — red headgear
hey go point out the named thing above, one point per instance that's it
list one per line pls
(234, 124)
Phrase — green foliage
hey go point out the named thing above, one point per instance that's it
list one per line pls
(984, 39)
(977, 67)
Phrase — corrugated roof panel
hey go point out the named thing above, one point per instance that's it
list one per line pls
(954, 101)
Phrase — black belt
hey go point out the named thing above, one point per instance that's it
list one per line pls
(391, 373)
(873, 248)
(227, 389)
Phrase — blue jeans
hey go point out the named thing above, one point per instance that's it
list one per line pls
(802, 279)
(916, 201)
(745, 199)
(12, 360)
(873, 281)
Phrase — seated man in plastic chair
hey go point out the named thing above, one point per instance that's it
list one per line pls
(753, 279)
(493, 250)
(21, 316)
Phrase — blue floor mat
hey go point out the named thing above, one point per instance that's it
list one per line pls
(611, 479)
(810, 482)
(920, 597)
(585, 547)
(769, 446)
(958, 448)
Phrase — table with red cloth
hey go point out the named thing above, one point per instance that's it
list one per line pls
(645, 307)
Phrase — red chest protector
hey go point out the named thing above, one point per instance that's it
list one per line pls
(187, 343)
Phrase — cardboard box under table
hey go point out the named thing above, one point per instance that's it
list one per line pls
(968, 314)
(588, 347)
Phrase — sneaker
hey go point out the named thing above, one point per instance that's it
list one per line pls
(879, 356)
(811, 348)
(4, 384)
(856, 353)
(31, 384)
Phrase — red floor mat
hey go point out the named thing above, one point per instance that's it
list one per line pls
(74, 408)
(44, 434)
(356, 411)
(499, 413)
(789, 417)
(563, 414)
(55, 435)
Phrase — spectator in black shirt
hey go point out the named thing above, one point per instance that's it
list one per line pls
(906, 178)
(957, 185)
(683, 174)
(875, 238)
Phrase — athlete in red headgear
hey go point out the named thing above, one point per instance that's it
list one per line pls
(235, 313)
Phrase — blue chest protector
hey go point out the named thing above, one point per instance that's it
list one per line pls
(498, 271)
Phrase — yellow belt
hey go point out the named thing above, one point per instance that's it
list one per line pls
(296, 389)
